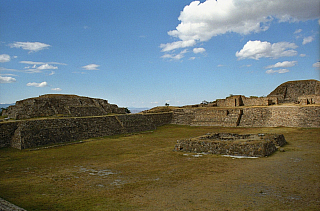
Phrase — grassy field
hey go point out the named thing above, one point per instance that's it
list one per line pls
(141, 172)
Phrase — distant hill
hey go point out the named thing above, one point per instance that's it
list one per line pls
(5, 105)
(137, 110)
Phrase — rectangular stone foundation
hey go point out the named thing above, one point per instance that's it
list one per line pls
(252, 145)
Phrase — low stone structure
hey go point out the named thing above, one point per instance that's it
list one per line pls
(263, 116)
(252, 145)
(7, 206)
(32, 133)
(240, 100)
(61, 105)
(309, 99)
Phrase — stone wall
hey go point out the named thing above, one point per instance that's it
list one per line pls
(309, 99)
(240, 100)
(268, 116)
(32, 133)
(256, 145)
(7, 131)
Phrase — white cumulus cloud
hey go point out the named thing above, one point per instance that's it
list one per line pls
(202, 21)
(7, 79)
(47, 67)
(91, 67)
(42, 84)
(30, 46)
(199, 50)
(56, 89)
(307, 40)
(282, 64)
(297, 31)
(257, 49)
(178, 44)
(316, 65)
(175, 56)
(277, 71)
(4, 58)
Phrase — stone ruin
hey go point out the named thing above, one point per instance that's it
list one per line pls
(61, 105)
(251, 145)
(303, 92)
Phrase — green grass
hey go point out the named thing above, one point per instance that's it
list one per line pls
(141, 172)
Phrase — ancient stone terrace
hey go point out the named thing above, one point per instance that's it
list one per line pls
(61, 105)
(252, 145)
(303, 91)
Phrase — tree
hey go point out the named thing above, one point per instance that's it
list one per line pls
(167, 104)
(205, 102)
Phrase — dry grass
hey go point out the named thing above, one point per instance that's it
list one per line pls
(141, 172)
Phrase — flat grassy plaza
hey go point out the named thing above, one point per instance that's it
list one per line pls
(142, 172)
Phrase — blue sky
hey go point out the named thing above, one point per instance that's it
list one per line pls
(147, 53)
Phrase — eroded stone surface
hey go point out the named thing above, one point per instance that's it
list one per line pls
(254, 145)
(61, 105)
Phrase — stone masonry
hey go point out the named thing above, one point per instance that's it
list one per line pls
(61, 105)
(253, 145)
(32, 133)
(290, 91)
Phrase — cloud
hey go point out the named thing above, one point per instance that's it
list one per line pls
(42, 84)
(178, 44)
(307, 40)
(199, 50)
(175, 56)
(247, 65)
(7, 79)
(4, 58)
(47, 67)
(202, 21)
(56, 89)
(30, 46)
(297, 31)
(257, 49)
(277, 71)
(42, 66)
(302, 55)
(41, 63)
(52, 73)
(316, 65)
(91, 67)
(282, 64)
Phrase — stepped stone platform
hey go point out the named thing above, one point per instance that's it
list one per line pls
(251, 145)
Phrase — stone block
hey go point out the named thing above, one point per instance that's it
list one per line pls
(252, 145)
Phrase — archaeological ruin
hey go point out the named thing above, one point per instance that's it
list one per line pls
(251, 145)
(61, 105)
(51, 119)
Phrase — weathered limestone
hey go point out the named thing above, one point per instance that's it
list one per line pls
(264, 116)
(32, 133)
(290, 91)
(253, 145)
(61, 105)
